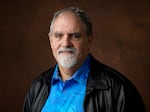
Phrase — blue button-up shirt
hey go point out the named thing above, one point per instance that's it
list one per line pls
(68, 96)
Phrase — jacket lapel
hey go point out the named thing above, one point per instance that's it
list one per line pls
(97, 79)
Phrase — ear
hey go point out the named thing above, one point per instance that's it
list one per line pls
(91, 38)
(49, 35)
(49, 38)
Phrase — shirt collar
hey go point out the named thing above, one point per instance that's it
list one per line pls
(56, 76)
(80, 75)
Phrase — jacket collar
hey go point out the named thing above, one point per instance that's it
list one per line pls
(97, 78)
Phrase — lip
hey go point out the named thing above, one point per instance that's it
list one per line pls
(67, 52)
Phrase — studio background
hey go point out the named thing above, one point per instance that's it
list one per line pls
(121, 31)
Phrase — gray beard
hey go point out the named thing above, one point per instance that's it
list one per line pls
(67, 61)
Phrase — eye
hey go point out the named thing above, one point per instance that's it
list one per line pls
(58, 35)
(75, 36)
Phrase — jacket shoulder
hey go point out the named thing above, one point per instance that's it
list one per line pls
(38, 92)
(119, 87)
(111, 90)
(102, 72)
(44, 76)
(105, 77)
(44, 79)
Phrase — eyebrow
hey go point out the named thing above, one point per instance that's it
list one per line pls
(70, 34)
(57, 32)
(75, 33)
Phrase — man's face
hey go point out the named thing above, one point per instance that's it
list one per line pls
(69, 41)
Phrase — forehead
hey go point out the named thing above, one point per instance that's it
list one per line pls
(68, 20)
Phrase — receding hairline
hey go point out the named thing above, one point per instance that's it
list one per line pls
(68, 12)
(80, 14)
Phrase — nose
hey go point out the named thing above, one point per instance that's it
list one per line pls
(66, 41)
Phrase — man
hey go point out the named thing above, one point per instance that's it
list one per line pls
(79, 83)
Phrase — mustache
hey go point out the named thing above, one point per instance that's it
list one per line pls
(66, 49)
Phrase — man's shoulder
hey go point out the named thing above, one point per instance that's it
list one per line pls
(44, 77)
(104, 77)
(107, 75)
(99, 68)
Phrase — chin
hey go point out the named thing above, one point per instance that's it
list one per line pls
(68, 61)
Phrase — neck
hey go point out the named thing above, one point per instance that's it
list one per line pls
(66, 73)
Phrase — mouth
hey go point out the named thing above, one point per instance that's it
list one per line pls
(66, 52)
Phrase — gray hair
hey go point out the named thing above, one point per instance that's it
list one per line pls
(80, 13)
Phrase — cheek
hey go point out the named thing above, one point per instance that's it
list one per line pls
(54, 51)
(53, 45)
(53, 48)
(81, 49)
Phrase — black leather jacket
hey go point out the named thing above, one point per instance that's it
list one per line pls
(106, 91)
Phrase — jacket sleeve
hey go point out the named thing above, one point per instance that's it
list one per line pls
(29, 99)
(128, 99)
(26, 105)
(36, 97)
